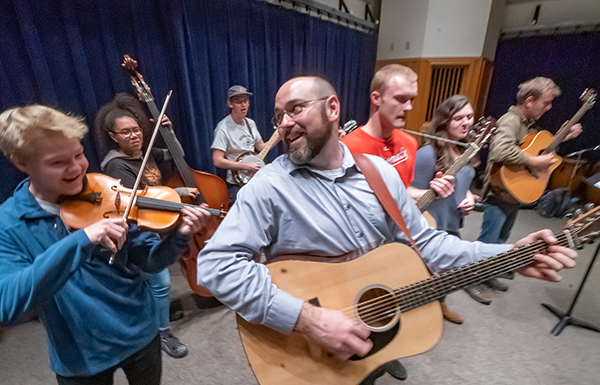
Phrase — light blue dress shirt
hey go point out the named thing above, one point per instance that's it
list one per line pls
(288, 209)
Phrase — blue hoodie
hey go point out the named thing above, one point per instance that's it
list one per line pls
(96, 314)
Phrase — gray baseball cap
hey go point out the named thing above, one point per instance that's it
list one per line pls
(237, 90)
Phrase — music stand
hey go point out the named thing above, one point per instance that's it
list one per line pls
(566, 318)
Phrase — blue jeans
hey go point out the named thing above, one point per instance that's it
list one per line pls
(161, 287)
(498, 220)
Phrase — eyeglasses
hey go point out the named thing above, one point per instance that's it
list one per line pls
(129, 133)
(294, 111)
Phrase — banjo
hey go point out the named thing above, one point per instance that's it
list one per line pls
(242, 177)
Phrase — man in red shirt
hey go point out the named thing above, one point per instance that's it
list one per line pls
(393, 89)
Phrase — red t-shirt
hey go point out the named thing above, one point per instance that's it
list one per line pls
(399, 150)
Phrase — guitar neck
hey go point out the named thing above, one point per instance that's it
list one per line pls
(269, 145)
(436, 287)
(461, 162)
(564, 131)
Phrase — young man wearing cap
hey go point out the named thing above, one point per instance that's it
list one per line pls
(234, 136)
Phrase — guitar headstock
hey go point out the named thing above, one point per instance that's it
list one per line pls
(587, 226)
(142, 89)
(482, 130)
(350, 126)
(588, 97)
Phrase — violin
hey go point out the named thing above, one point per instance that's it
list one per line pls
(156, 208)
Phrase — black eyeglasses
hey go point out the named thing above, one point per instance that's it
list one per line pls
(128, 133)
(294, 111)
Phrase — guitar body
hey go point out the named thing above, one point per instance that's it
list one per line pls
(287, 359)
(524, 186)
(430, 219)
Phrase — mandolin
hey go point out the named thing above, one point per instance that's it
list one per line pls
(522, 184)
(387, 290)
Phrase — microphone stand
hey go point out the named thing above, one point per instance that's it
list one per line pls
(566, 318)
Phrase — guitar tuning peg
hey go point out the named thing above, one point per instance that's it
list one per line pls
(578, 213)
(569, 216)
(588, 207)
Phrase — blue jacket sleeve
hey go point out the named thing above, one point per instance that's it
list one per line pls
(151, 254)
(26, 282)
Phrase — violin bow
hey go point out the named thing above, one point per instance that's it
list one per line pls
(143, 166)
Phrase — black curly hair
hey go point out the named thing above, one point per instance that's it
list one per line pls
(122, 105)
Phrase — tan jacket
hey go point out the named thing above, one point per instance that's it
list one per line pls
(505, 147)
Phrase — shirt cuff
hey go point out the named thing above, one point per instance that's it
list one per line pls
(284, 312)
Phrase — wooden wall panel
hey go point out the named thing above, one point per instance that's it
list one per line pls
(473, 81)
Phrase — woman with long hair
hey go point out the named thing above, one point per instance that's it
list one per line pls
(452, 120)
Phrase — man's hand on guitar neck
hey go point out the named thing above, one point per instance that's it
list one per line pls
(573, 132)
(337, 335)
(546, 267)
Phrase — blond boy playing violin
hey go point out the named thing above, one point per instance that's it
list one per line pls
(99, 317)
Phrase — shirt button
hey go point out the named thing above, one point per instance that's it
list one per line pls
(55, 225)
(348, 206)
(360, 235)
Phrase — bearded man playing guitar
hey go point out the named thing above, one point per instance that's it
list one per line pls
(314, 200)
(235, 135)
(534, 98)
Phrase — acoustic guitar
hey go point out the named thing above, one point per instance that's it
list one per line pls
(387, 290)
(483, 130)
(523, 184)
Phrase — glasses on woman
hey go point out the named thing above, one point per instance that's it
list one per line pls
(129, 133)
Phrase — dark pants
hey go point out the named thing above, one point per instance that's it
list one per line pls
(142, 368)
(233, 191)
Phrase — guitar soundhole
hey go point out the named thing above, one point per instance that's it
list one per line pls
(377, 308)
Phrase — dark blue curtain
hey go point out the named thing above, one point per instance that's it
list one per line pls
(67, 54)
(572, 61)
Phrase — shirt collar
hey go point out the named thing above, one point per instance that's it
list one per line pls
(528, 122)
(347, 163)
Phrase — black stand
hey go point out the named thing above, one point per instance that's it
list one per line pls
(565, 318)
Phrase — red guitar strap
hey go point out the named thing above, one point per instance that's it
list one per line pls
(385, 198)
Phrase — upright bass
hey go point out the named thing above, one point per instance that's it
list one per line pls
(213, 189)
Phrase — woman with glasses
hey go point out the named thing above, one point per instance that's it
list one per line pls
(125, 122)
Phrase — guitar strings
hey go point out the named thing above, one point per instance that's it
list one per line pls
(497, 262)
(425, 291)
(414, 293)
